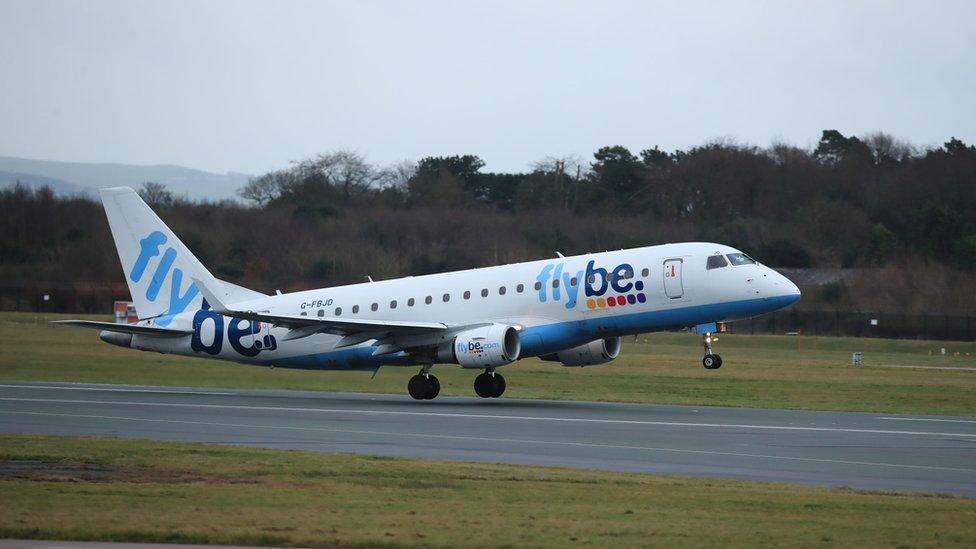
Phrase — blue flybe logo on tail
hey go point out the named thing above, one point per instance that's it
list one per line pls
(597, 282)
(149, 248)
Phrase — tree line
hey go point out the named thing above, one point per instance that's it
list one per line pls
(850, 202)
(871, 201)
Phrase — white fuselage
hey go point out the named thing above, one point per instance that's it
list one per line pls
(668, 287)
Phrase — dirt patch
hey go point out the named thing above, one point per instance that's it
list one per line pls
(55, 470)
(66, 471)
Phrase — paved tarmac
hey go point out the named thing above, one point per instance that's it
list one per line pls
(860, 450)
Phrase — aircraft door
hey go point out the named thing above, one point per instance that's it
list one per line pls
(672, 278)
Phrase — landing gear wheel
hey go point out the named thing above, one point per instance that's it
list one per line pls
(711, 361)
(434, 387)
(423, 387)
(489, 385)
(484, 385)
(418, 387)
(499, 386)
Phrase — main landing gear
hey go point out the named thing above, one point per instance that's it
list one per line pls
(489, 384)
(424, 386)
(711, 361)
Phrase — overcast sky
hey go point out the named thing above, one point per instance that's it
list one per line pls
(250, 86)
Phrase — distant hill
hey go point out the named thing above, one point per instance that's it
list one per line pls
(78, 177)
(33, 180)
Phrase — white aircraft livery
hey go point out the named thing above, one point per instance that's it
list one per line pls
(572, 310)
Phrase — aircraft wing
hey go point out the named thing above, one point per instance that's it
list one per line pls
(354, 330)
(334, 325)
(125, 328)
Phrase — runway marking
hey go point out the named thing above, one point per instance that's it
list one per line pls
(506, 440)
(927, 419)
(117, 390)
(501, 417)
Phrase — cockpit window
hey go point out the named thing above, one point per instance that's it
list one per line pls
(715, 262)
(741, 259)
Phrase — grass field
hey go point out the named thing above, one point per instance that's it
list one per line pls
(109, 489)
(759, 371)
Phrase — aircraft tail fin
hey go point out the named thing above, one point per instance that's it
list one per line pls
(159, 268)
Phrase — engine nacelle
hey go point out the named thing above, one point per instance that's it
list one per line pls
(599, 351)
(485, 347)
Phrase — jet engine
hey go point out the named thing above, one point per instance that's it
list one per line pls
(599, 351)
(485, 347)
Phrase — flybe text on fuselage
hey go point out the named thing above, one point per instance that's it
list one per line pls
(597, 282)
(238, 329)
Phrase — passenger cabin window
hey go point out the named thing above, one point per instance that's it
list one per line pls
(321, 312)
(715, 262)
(741, 259)
(467, 294)
(410, 302)
(355, 309)
(501, 290)
(520, 288)
(644, 272)
(447, 297)
(555, 283)
(538, 285)
(393, 304)
(572, 281)
(428, 300)
(338, 311)
(484, 292)
(374, 306)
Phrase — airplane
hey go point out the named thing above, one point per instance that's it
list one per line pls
(573, 310)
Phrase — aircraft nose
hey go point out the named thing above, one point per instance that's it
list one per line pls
(794, 290)
(790, 291)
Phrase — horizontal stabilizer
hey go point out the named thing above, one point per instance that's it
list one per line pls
(239, 293)
(125, 328)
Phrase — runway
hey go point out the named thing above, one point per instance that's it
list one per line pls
(859, 450)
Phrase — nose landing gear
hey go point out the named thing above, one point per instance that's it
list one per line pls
(489, 384)
(424, 386)
(711, 361)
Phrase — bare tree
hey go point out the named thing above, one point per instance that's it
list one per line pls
(397, 175)
(156, 194)
(348, 171)
(564, 171)
(266, 188)
(782, 153)
(885, 147)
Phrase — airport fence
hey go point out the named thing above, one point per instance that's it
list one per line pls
(858, 324)
(99, 299)
(62, 298)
